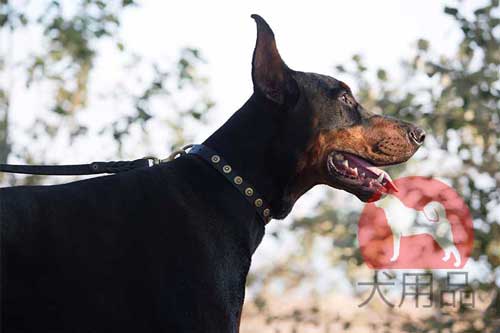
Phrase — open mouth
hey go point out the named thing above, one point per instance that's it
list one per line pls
(359, 176)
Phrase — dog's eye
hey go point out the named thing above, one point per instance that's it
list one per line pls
(346, 99)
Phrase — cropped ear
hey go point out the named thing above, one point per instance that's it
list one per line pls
(270, 75)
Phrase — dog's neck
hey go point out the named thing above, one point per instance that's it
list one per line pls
(250, 142)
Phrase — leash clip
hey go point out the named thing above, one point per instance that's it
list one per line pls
(177, 153)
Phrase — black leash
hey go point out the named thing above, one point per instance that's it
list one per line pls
(249, 192)
(93, 168)
(78, 169)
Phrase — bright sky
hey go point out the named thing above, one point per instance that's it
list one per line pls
(311, 36)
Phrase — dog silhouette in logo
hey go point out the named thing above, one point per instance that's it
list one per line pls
(431, 220)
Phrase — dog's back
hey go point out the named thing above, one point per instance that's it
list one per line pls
(119, 253)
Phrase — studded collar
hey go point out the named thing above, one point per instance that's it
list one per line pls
(224, 168)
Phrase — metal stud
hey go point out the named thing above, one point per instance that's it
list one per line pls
(238, 180)
(215, 158)
(258, 202)
(249, 191)
(226, 168)
(266, 212)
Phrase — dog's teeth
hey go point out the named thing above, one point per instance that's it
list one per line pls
(363, 174)
(346, 163)
(355, 171)
(339, 157)
(380, 178)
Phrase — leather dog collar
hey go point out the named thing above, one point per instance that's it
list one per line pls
(224, 168)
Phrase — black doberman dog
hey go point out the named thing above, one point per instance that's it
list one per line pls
(168, 248)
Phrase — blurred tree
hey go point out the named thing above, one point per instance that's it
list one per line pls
(456, 98)
(71, 35)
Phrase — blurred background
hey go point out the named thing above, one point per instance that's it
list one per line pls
(87, 80)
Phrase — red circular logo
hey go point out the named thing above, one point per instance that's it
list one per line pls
(426, 224)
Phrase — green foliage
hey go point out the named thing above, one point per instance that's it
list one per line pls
(456, 99)
(165, 83)
(72, 35)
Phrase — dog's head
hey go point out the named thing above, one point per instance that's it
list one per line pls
(334, 140)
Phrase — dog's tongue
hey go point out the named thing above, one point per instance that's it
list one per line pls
(390, 183)
(373, 169)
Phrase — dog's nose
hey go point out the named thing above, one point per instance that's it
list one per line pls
(417, 135)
